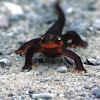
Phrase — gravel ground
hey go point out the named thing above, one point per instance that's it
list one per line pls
(49, 81)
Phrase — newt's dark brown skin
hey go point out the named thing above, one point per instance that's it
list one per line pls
(53, 43)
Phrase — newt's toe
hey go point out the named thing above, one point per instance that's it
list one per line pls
(78, 71)
(28, 67)
(20, 52)
(82, 44)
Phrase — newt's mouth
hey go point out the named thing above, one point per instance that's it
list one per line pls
(51, 45)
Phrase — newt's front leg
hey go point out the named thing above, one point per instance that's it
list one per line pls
(79, 66)
(23, 49)
(29, 55)
(77, 41)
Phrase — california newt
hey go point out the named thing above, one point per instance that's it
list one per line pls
(53, 43)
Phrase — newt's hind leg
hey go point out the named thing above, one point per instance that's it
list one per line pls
(79, 66)
(76, 40)
(23, 49)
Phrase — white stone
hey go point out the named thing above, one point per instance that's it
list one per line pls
(10, 8)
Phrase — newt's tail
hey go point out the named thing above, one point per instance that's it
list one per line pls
(57, 27)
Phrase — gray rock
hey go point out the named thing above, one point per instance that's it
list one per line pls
(5, 63)
(92, 61)
(80, 26)
(96, 92)
(46, 96)
(62, 69)
(23, 97)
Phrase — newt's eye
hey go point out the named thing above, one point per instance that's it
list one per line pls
(42, 38)
(59, 39)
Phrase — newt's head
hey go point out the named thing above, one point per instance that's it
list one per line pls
(51, 41)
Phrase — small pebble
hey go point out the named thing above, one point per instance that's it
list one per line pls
(78, 88)
(91, 8)
(13, 98)
(46, 79)
(5, 63)
(29, 73)
(87, 87)
(96, 92)
(23, 97)
(68, 9)
(87, 98)
(62, 69)
(83, 95)
(39, 73)
(99, 76)
(10, 95)
(46, 96)
(31, 91)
